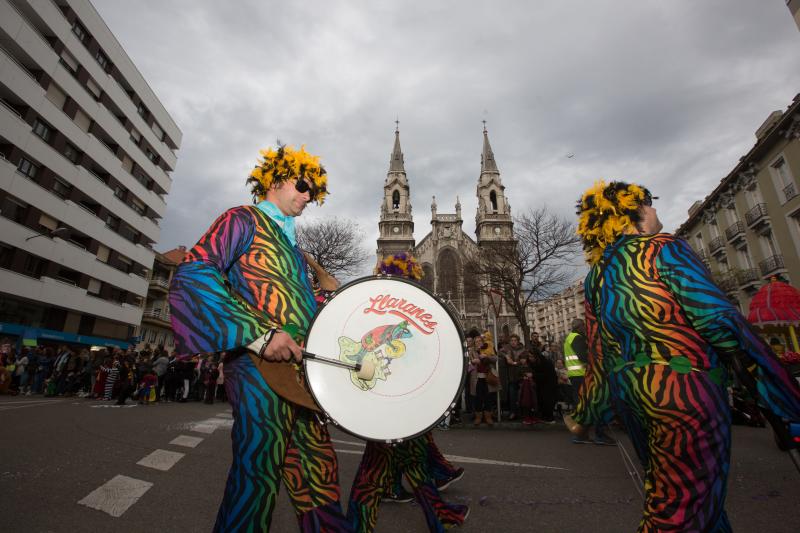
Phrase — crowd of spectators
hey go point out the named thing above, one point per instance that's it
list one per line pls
(111, 374)
(530, 378)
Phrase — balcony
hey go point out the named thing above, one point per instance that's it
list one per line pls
(747, 277)
(771, 265)
(757, 216)
(717, 246)
(790, 191)
(727, 282)
(735, 232)
(160, 283)
(157, 316)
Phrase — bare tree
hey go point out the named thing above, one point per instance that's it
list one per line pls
(335, 243)
(538, 265)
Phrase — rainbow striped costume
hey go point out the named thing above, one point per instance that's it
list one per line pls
(243, 277)
(660, 332)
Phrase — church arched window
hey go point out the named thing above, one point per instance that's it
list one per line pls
(427, 278)
(493, 200)
(396, 200)
(472, 290)
(448, 268)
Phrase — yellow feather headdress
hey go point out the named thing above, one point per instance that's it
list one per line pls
(605, 211)
(401, 264)
(285, 163)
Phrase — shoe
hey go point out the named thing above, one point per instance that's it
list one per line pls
(512, 416)
(528, 420)
(604, 440)
(550, 421)
(401, 497)
(487, 417)
(579, 440)
(450, 523)
(442, 484)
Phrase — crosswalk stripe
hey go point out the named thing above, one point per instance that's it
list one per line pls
(116, 495)
(187, 441)
(161, 460)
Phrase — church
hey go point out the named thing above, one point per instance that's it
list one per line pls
(444, 252)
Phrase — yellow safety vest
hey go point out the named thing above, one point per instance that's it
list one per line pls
(575, 368)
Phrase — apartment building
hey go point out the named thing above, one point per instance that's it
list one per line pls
(86, 152)
(552, 317)
(156, 327)
(748, 229)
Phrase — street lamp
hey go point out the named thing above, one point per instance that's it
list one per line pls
(51, 233)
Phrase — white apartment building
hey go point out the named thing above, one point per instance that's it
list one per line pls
(86, 152)
(552, 317)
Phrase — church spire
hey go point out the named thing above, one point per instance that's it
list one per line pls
(487, 156)
(396, 161)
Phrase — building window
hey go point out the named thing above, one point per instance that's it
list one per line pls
(142, 110)
(396, 200)
(94, 287)
(6, 256)
(34, 266)
(42, 130)
(14, 209)
(102, 59)
(80, 32)
(137, 206)
(128, 232)
(102, 253)
(784, 181)
(28, 168)
(72, 153)
(119, 191)
(62, 188)
(151, 155)
(141, 177)
(112, 222)
(69, 62)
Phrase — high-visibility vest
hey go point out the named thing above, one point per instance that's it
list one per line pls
(575, 368)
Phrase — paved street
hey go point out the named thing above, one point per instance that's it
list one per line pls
(73, 465)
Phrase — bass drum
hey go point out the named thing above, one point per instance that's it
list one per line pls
(415, 344)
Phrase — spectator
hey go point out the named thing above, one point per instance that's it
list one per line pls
(221, 379)
(126, 378)
(160, 365)
(515, 356)
(544, 375)
(485, 383)
(21, 372)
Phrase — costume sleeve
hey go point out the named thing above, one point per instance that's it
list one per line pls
(716, 319)
(594, 396)
(206, 317)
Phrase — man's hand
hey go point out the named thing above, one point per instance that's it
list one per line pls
(283, 348)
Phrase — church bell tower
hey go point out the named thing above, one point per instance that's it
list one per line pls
(396, 222)
(493, 222)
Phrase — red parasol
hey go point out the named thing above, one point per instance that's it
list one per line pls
(776, 303)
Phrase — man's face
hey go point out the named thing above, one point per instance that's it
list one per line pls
(514, 342)
(649, 223)
(286, 197)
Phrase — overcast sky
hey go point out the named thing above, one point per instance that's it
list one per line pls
(667, 94)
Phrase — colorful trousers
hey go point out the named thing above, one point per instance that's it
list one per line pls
(680, 426)
(381, 467)
(274, 439)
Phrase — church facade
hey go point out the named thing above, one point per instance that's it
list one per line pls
(444, 252)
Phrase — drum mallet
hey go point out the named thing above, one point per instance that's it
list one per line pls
(364, 371)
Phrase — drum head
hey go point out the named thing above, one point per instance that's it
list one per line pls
(413, 341)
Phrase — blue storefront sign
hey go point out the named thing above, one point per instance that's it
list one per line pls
(32, 336)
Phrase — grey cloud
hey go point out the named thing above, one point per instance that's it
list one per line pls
(668, 94)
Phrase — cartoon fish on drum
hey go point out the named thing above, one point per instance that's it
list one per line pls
(380, 345)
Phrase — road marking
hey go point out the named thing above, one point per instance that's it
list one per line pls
(115, 406)
(219, 422)
(475, 460)
(32, 400)
(460, 459)
(161, 460)
(117, 495)
(187, 441)
(199, 427)
(224, 415)
(40, 403)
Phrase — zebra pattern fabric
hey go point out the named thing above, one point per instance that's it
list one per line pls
(381, 467)
(660, 333)
(242, 278)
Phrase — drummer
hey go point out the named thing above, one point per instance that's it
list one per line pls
(417, 459)
(244, 287)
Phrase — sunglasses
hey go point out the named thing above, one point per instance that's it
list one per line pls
(302, 187)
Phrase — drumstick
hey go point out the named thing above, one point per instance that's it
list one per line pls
(365, 370)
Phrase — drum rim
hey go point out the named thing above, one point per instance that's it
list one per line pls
(461, 336)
